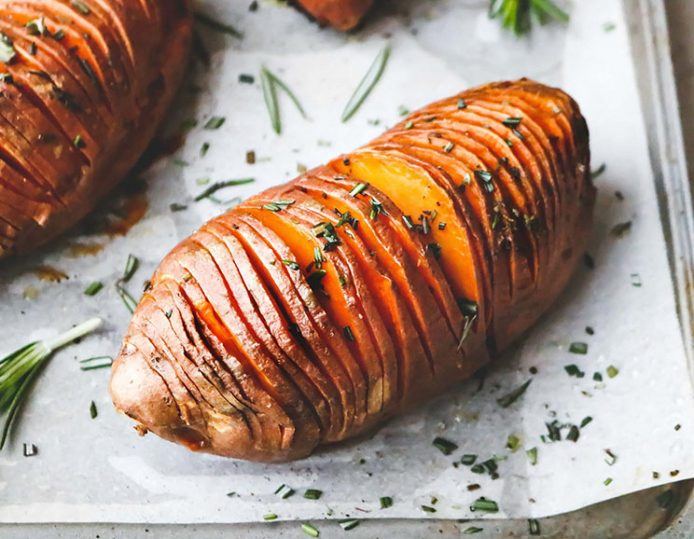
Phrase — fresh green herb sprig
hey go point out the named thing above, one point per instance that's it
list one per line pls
(269, 82)
(518, 16)
(20, 368)
(367, 84)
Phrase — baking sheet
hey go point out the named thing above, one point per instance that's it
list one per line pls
(98, 470)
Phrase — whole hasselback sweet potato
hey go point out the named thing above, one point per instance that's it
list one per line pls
(83, 86)
(320, 307)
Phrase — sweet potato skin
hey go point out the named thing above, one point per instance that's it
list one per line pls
(340, 14)
(367, 303)
(80, 109)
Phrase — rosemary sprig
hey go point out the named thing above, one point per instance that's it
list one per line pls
(212, 189)
(20, 368)
(269, 82)
(517, 15)
(373, 75)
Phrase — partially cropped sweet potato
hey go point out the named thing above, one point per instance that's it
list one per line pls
(341, 14)
(83, 86)
(320, 307)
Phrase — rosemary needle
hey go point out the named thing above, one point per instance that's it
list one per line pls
(269, 82)
(20, 368)
(367, 84)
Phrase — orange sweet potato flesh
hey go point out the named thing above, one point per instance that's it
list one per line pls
(341, 14)
(78, 110)
(317, 309)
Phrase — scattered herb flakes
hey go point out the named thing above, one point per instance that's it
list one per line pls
(215, 123)
(608, 26)
(278, 205)
(409, 124)
(96, 362)
(578, 348)
(512, 121)
(359, 189)
(607, 481)
(93, 288)
(636, 280)
(367, 84)
(269, 83)
(590, 330)
(598, 171)
(291, 264)
(434, 248)
(427, 509)
(472, 530)
(269, 517)
(513, 443)
(573, 434)
(245, 78)
(620, 229)
(461, 104)
(445, 446)
(212, 189)
(30, 450)
(313, 494)
(217, 26)
(348, 524)
(250, 157)
(573, 370)
(126, 298)
(612, 371)
(403, 110)
(532, 455)
(511, 397)
(93, 412)
(284, 491)
(310, 529)
(386, 502)
(484, 505)
(611, 457)
(204, 149)
(347, 331)
(468, 459)
(533, 526)
(131, 265)
(586, 420)
(176, 207)
(597, 377)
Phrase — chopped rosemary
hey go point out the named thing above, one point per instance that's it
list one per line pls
(310, 530)
(131, 266)
(427, 509)
(217, 26)
(21, 367)
(533, 526)
(386, 502)
(607, 481)
(269, 517)
(359, 189)
(585, 421)
(215, 123)
(348, 333)
(512, 121)
(278, 205)
(313, 494)
(597, 172)
(445, 446)
(611, 457)
(484, 505)
(470, 530)
(127, 299)
(93, 412)
(291, 264)
(513, 443)
(367, 84)
(597, 377)
(511, 397)
(348, 524)
(532, 455)
(573, 370)
(620, 229)
(97, 362)
(468, 459)
(573, 434)
(93, 288)
(612, 371)
(30, 450)
(578, 348)
(284, 491)
(212, 189)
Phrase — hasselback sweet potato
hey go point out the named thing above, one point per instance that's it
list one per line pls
(318, 308)
(83, 86)
(341, 14)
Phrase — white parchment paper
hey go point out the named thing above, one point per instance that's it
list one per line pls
(99, 470)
